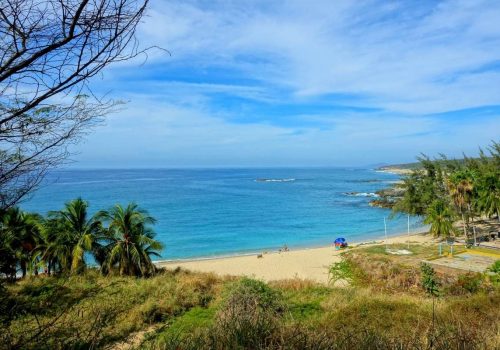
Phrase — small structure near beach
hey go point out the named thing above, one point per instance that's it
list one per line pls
(340, 243)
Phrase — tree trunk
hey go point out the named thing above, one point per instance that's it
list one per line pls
(463, 224)
(473, 226)
(474, 229)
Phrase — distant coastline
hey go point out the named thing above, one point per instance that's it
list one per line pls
(396, 169)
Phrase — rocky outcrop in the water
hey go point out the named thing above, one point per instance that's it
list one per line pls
(381, 203)
(387, 197)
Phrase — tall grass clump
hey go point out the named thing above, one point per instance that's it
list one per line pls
(341, 271)
(375, 271)
(249, 316)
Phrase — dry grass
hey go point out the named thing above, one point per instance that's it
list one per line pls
(318, 317)
(91, 310)
(383, 309)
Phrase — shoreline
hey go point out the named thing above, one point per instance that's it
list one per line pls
(266, 251)
(306, 263)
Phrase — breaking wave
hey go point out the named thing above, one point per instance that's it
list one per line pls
(362, 194)
(274, 180)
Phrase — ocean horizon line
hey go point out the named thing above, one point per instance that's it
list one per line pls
(355, 167)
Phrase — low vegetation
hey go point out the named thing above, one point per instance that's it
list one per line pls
(388, 303)
(375, 268)
(91, 310)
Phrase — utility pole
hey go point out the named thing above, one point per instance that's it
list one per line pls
(408, 231)
(385, 230)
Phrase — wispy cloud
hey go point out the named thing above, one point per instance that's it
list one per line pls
(311, 82)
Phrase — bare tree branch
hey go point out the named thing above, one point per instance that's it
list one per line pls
(49, 49)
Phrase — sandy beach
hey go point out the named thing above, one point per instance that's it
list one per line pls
(309, 263)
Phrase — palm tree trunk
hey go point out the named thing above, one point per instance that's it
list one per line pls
(463, 224)
(475, 240)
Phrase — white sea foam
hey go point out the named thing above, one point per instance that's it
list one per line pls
(367, 194)
(362, 194)
(274, 180)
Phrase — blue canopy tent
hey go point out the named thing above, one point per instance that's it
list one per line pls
(340, 243)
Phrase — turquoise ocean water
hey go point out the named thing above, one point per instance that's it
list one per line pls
(215, 212)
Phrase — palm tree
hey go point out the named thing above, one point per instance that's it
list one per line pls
(21, 233)
(461, 189)
(132, 241)
(440, 217)
(72, 234)
(54, 250)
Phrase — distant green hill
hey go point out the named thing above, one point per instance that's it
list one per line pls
(406, 167)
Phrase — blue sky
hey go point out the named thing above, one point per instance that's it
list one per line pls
(303, 83)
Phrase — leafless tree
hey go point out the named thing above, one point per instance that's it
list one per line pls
(49, 49)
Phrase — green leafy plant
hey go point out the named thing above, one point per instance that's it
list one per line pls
(430, 282)
(340, 271)
(470, 282)
(494, 273)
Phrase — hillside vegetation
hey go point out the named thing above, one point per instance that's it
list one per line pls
(443, 191)
(383, 306)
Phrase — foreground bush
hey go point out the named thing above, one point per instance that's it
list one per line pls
(345, 318)
(90, 311)
(249, 316)
(184, 311)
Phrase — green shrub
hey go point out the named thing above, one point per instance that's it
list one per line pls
(495, 268)
(249, 316)
(493, 273)
(470, 282)
(341, 271)
(430, 282)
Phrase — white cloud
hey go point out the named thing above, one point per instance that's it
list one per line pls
(153, 134)
(400, 53)
(405, 61)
